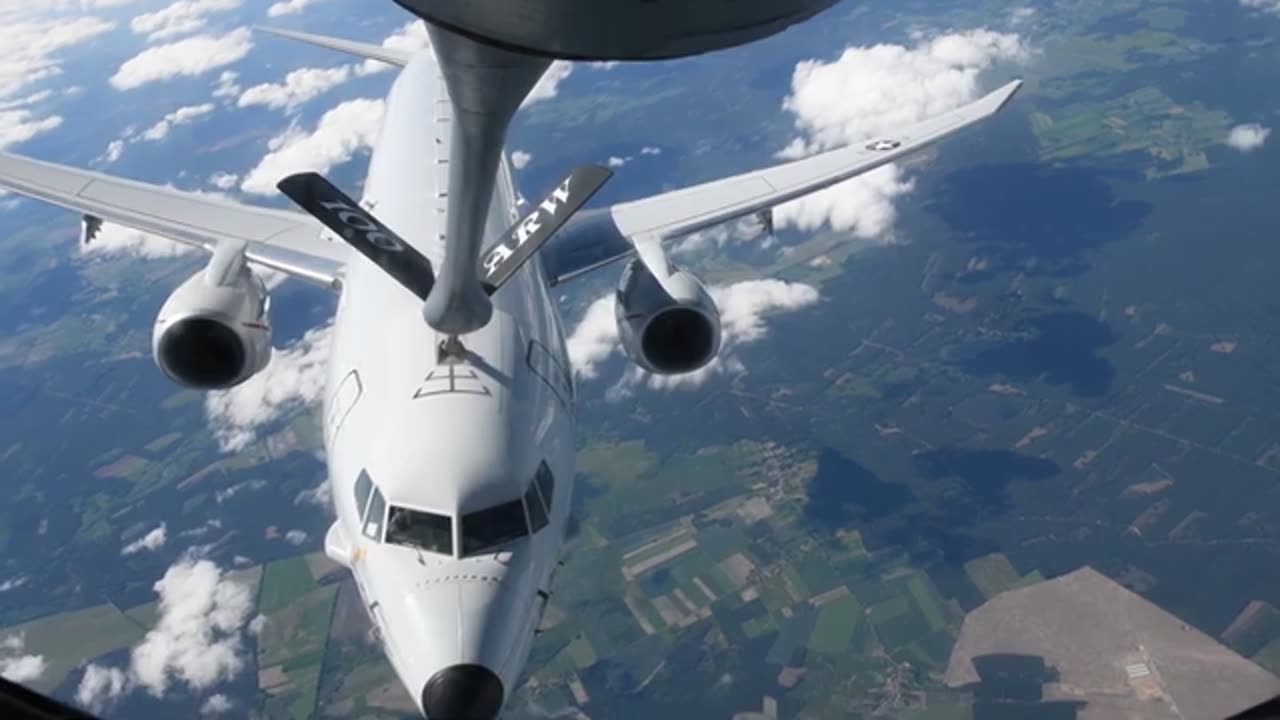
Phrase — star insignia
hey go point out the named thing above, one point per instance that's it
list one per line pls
(884, 145)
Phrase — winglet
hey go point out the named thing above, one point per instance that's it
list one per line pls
(1005, 94)
(391, 56)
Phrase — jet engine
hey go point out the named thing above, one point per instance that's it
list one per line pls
(212, 333)
(616, 29)
(668, 327)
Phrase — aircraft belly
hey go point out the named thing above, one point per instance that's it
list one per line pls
(619, 29)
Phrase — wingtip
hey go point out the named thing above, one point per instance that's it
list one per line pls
(1006, 93)
(277, 31)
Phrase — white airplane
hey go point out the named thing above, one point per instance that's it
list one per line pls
(448, 427)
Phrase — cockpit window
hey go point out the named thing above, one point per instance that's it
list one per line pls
(537, 513)
(495, 526)
(364, 485)
(546, 483)
(421, 530)
(373, 518)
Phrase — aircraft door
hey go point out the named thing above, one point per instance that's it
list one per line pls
(344, 400)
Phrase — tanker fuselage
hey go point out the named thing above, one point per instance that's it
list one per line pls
(616, 29)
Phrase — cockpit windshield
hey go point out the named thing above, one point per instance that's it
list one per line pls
(422, 530)
(489, 528)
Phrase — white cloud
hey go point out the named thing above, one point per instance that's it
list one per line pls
(16, 667)
(17, 126)
(321, 494)
(257, 624)
(650, 150)
(99, 686)
(718, 236)
(1250, 137)
(595, 338)
(14, 583)
(216, 704)
(288, 7)
(863, 206)
(32, 99)
(224, 181)
(114, 150)
(294, 377)
(152, 541)
(226, 85)
(744, 307)
(617, 162)
(32, 41)
(549, 84)
(410, 37)
(197, 640)
(23, 669)
(1020, 15)
(189, 57)
(155, 133)
(521, 159)
(346, 129)
(180, 18)
(605, 65)
(202, 530)
(181, 116)
(870, 92)
(298, 87)
(295, 537)
(113, 239)
(1270, 6)
(248, 485)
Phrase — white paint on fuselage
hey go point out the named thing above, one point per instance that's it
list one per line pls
(445, 445)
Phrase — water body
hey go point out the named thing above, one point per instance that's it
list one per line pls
(1060, 348)
(986, 474)
(1034, 218)
(846, 494)
(937, 514)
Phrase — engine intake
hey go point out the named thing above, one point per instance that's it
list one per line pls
(212, 333)
(666, 328)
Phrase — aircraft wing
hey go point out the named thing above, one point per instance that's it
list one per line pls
(286, 241)
(599, 237)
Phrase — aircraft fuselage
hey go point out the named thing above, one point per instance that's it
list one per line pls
(416, 444)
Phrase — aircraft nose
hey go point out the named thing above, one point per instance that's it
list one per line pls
(463, 692)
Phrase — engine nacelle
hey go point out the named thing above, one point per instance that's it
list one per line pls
(213, 332)
(669, 328)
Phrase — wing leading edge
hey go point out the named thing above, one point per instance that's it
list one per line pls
(599, 237)
(286, 241)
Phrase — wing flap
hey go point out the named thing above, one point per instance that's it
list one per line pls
(691, 209)
(285, 241)
(142, 201)
(696, 207)
(685, 211)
